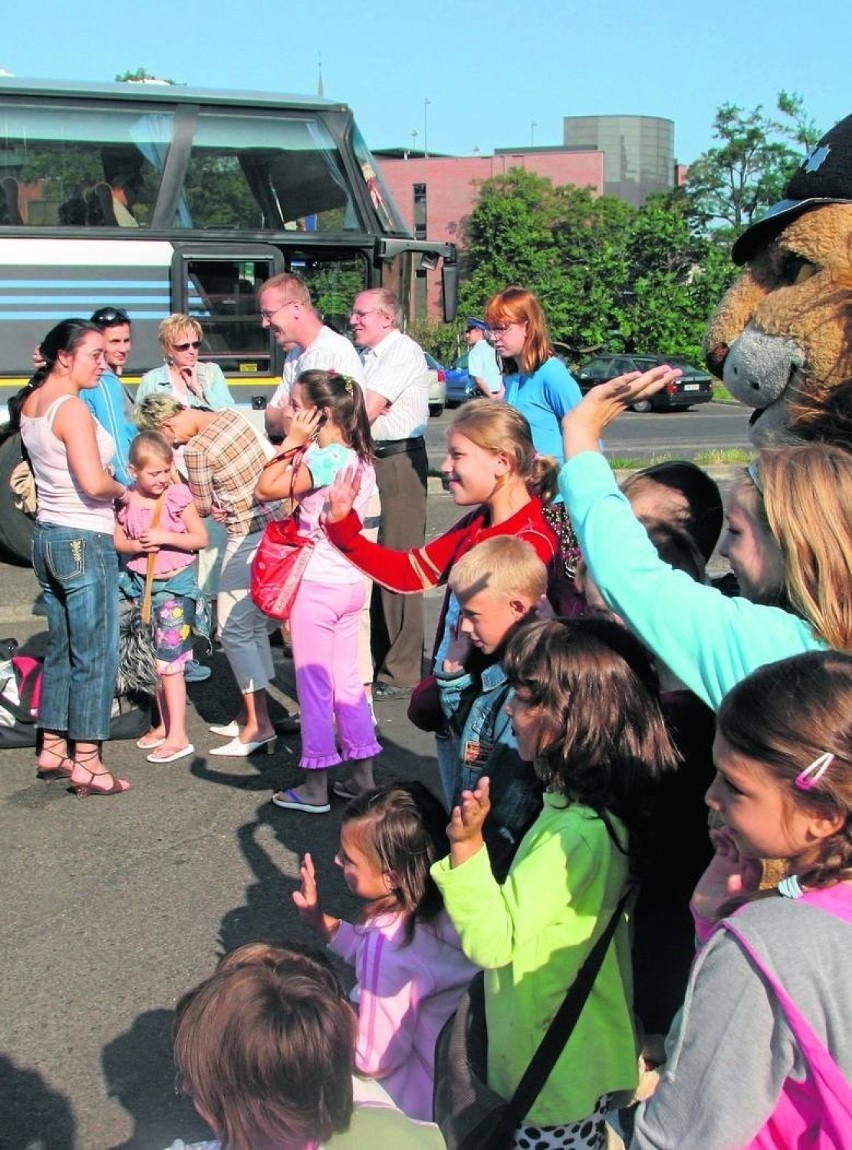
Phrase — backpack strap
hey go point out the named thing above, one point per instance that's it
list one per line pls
(821, 1064)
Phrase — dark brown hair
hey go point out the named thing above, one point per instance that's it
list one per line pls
(266, 1050)
(785, 715)
(404, 829)
(344, 398)
(597, 692)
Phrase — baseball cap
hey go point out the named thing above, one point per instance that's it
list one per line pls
(480, 324)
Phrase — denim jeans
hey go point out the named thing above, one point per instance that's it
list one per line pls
(78, 572)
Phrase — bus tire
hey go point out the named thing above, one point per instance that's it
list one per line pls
(16, 529)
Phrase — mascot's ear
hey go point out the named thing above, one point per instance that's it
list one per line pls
(823, 177)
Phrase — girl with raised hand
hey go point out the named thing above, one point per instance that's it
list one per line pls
(592, 729)
(789, 543)
(768, 1016)
(175, 541)
(330, 422)
(491, 466)
(411, 971)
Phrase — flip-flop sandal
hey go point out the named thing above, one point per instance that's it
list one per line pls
(290, 801)
(172, 756)
(146, 743)
(343, 790)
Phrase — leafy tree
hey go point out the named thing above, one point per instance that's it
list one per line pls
(140, 76)
(733, 183)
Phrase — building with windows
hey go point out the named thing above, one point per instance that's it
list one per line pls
(638, 152)
(630, 157)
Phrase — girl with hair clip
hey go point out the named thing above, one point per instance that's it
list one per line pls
(491, 465)
(789, 544)
(73, 555)
(761, 1054)
(264, 1047)
(585, 717)
(329, 432)
(410, 969)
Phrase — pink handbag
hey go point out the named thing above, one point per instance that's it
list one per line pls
(815, 1114)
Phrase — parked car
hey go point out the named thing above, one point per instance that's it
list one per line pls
(460, 385)
(694, 386)
(437, 386)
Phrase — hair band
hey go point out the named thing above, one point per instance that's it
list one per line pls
(807, 779)
(790, 887)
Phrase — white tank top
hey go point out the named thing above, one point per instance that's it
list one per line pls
(60, 498)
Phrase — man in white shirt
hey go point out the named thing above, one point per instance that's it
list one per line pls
(286, 310)
(482, 365)
(397, 397)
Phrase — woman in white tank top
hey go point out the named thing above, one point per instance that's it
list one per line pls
(73, 555)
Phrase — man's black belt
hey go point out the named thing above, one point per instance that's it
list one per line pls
(390, 447)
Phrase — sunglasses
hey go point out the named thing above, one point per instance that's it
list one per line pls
(110, 317)
(196, 343)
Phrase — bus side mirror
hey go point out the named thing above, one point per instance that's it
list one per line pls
(450, 290)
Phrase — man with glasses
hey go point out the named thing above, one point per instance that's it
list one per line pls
(482, 365)
(286, 310)
(397, 398)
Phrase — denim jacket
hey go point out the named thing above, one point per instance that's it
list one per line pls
(475, 707)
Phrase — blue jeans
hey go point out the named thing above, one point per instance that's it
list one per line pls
(78, 572)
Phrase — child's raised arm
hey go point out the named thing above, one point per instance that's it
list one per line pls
(307, 901)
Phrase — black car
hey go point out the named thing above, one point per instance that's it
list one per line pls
(694, 386)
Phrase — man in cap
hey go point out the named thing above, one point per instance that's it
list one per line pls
(482, 365)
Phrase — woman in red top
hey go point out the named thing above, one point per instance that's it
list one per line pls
(491, 465)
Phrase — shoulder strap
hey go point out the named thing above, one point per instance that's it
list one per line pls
(822, 1065)
(564, 1021)
(50, 414)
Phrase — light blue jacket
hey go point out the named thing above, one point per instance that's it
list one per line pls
(213, 382)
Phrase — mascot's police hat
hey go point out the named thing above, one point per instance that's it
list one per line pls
(824, 177)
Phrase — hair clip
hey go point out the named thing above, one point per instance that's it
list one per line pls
(807, 779)
(332, 373)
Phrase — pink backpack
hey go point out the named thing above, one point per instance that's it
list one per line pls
(815, 1114)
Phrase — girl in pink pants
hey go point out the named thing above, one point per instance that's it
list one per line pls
(329, 432)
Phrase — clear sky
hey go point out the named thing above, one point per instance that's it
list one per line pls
(496, 74)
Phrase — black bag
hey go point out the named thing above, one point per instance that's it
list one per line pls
(470, 1114)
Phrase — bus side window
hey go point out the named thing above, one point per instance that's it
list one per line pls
(10, 204)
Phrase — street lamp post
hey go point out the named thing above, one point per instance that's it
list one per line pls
(426, 104)
(533, 126)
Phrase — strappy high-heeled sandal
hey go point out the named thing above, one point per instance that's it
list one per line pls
(51, 774)
(82, 790)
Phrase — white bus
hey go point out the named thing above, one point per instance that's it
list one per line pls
(221, 191)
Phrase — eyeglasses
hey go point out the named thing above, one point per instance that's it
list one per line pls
(502, 328)
(361, 314)
(196, 343)
(270, 315)
(110, 317)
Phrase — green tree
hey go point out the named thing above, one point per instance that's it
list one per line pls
(733, 183)
(139, 76)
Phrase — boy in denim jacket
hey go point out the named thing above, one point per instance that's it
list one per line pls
(498, 585)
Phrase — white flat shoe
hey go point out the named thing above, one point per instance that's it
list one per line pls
(237, 750)
(226, 730)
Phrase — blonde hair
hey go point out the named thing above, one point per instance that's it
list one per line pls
(501, 429)
(149, 444)
(154, 410)
(288, 284)
(807, 498)
(504, 566)
(172, 325)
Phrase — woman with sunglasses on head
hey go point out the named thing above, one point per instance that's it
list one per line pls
(194, 383)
